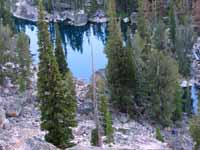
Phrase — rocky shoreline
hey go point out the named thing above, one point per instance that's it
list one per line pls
(25, 9)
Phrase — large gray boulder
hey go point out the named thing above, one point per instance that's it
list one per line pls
(80, 18)
(123, 118)
(14, 108)
(38, 144)
(86, 107)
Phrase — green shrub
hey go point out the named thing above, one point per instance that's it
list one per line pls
(22, 84)
(107, 119)
(94, 137)
(159, 135)
(108, 127)
(195, 131)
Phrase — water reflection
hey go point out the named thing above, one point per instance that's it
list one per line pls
(76, 42)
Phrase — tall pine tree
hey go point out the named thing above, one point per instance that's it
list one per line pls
(172, 24)
(161, 79)
(120, 68)
(67, 83)
(59, 53)
(24, 60)
(57, 113)
(141, 21)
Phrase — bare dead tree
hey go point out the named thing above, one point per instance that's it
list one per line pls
(95, 103)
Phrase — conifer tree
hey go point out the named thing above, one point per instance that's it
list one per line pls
(5, 14)
(178, 102)
(57, 111)
(161, 81)
(24, 60)
(107, 120)
(141, 21)
(59, 53)
(5, 48)
(159, 135)
(158, 40)
(172, 24)
(94, 137)
(195, 131)
(120, 68)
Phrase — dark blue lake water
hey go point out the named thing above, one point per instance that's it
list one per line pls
(77, 43)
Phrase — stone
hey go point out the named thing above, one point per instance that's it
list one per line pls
(38, 144)
(86, 107)
(7, 83)
(126, 20)
(133, 17)
(7, 124)
(98, 17)
(14, 109)
(123, 118)
(2, 117)
(80, 18)
(78, 147)
(100, 2)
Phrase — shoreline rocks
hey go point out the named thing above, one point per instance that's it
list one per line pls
(27, 11)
